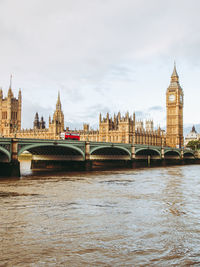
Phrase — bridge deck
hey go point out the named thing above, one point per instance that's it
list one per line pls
(84, 150)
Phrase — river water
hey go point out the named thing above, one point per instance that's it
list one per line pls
(137, 217)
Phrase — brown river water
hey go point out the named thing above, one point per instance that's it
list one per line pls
(127, 217)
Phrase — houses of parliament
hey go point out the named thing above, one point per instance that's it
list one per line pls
(117, 129)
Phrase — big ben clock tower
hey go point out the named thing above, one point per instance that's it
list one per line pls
(174, 104)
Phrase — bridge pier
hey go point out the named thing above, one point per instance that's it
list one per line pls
(88, 165)
(162, 153)
(78, 156)
(132, 152)
(10, 169)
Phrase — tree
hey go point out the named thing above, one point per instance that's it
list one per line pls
(193, 144)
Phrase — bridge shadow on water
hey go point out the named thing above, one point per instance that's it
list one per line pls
(61, 156)
(26, 171)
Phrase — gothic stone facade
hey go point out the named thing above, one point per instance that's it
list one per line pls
(10, 120)
(10, 113)
(127, 130)
(174, 105)
(119, 129)
(124, 129)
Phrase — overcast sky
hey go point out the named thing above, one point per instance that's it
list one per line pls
(102, 55)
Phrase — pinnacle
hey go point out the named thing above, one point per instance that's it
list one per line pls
(174, 74)
(58, 104)
(59, 95)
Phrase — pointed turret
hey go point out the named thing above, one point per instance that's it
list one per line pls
(11, 81)
(36, 121)
(174, 77)
(20, 94)
(159, 129)
(36, 116)
(58, 104)
(119, 116)
(193, 129)
(42, 123)
(10, 93)
(127, 115)
(107, 116)
(115, 118)
(58, 118)
(1, 93)
(133, 116)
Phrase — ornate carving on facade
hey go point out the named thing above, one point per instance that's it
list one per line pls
(39, 124)
(174, 105)
(116, 129)
(10, 113)
(122, 129)
(36, 123)
(10, 119)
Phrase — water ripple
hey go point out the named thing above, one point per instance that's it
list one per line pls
(146, 217)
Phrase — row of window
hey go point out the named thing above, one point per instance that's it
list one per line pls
(4, 115)
(13, 115)
(113, 139)
(123, 128)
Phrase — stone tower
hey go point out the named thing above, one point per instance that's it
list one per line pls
(56, 126)
(174, 105)
(149, 125)
(36, 123)
(120, 129)
(139, 125)
(10, 112)
(42, 123)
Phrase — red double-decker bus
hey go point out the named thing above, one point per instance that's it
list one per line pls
(70, 136)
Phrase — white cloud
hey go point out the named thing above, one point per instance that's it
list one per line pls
(102, 53)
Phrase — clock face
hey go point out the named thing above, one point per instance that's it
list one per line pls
(171, 98)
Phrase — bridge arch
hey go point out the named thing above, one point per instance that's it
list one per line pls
(148, 151)
(109, 150)
(33, 147)
(172, 153)
(4, 155)
(189, 154)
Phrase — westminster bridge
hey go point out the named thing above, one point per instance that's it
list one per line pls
(79, 155)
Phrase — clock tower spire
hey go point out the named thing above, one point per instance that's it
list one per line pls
(174, 105)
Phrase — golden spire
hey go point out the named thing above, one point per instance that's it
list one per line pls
(174, 71)
(10, 93)
(10, 81)
(174, 77)
(58, 104)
